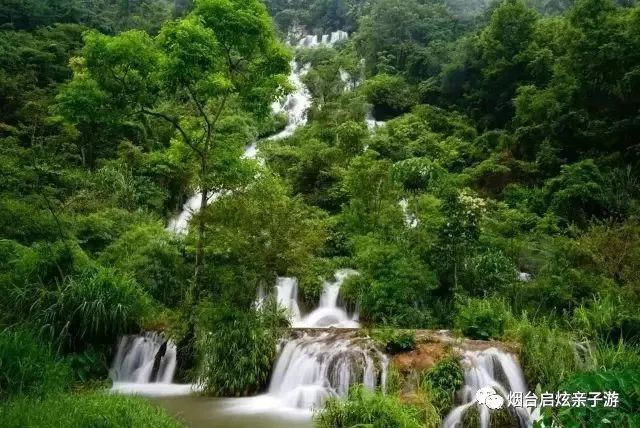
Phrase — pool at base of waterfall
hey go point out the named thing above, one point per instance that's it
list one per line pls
(262, 411)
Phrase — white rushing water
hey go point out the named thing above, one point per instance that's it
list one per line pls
(295, 105)
(488, 368)
(180, 223)
(313, 368)
(327, 314)
(312, 41)
(145, 364)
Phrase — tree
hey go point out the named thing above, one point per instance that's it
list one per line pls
(225, 53)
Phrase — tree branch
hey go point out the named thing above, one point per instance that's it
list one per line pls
(176, 125)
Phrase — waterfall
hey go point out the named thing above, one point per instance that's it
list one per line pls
(144, 359)
(145, 364)
(295, 104)
(327, 314)
(180, 223)
(314, 367)
(488, 368)
(287, 296)
(372, 123)
(311, 369)
(410, 220)
(312, 41)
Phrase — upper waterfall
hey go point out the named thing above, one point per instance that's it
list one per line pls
(327, 314)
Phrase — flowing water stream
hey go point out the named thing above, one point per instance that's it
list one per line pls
(488, 368)
(319, 360)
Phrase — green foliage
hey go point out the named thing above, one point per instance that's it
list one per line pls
(396, 341)
(393, 287)
(548, 354)
(444, 380)
(578, 193)
(376, 410)
(488, 273)
(482, 318)
(29, 367)
(624, 382)
(154, 259)
(237, 350)
(91, 307)
(389, 95)
(95, 409)
(608, 318)
(259, 233)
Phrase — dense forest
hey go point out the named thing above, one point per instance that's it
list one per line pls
(497, 194)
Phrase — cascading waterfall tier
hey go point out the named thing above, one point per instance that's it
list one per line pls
(145, 365)
(312, 41)
(295, 105)
(327, 314)
(180, 223)
(314, 367)
(488, 368)
(146, 358)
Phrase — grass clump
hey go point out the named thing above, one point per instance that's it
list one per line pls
(482, 319)
(236, 349)
(626, 382)
(539, 341)
(370, 409)
(395, 341)
(442, 381)
(95, 410)
(28, 367)
(90, 308)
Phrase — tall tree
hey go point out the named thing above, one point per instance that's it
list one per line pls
(225, 53)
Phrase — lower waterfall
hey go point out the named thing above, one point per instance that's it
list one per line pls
(312, 368)
(488, 368)
(145, 364)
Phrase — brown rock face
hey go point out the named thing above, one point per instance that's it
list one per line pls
(425, 356)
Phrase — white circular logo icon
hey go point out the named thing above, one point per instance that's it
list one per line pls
(489, 398)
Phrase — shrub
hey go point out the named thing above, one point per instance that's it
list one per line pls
(92, 307)
(443, 381)
(482, 318)
(369, 409)
(418, 173)
(236, 349)
(488, 272)
(548, 354)
(578, 193)
(85, 410)
(394, 286)
(153, 257)
(390, 95)
(625, 414)
(396, 342)
(29, 367)
(401, 342)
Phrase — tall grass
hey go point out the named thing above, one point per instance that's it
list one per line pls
(29, 367)
(93, 307)
(374, 410)
(548, 354)
(89, 410)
